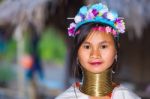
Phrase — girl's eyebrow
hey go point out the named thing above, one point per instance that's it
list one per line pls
(86, 42)
(104, 42)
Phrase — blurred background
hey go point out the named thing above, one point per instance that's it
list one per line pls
(35, 49)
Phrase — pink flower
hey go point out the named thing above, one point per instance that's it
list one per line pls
(102, 29)
(117, 20)
(114, 32)
(108, 29)
(71, 29)
(120, 25)
(90, 15)
(95, 12)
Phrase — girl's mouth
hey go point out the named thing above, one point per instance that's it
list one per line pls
(95, 63)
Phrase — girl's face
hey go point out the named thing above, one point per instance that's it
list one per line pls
(97, 52)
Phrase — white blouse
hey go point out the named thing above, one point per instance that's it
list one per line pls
(119, 92)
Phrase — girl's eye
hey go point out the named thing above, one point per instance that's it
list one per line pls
(104, 46)
(86, 46)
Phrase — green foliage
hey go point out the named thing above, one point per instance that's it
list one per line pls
(52, 46)
(27, 42)
(10, 50)
(6, 73)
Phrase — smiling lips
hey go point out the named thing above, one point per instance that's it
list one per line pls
(95, 63)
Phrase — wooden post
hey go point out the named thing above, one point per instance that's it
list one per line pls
(20, 71)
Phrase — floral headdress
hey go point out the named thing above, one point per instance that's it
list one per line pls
(97, 13)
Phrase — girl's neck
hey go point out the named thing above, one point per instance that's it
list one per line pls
(97, 85)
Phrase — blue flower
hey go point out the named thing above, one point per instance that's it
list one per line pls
(112, 16)
(114, 13)
(97, 6)
(83, 10)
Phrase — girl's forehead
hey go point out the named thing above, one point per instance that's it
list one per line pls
(99, 36)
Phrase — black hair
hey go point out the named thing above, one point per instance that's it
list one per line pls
(84, 30)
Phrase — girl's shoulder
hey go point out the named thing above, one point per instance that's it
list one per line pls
(72, 92)
(119, 92)
(122, 92)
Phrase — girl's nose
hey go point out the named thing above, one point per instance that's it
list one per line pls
(95, 53)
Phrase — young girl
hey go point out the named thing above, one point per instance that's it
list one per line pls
(96, 31)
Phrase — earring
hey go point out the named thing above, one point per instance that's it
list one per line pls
(113, 72)
(116, 58)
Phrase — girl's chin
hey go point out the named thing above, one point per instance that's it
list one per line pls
(96, 71)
